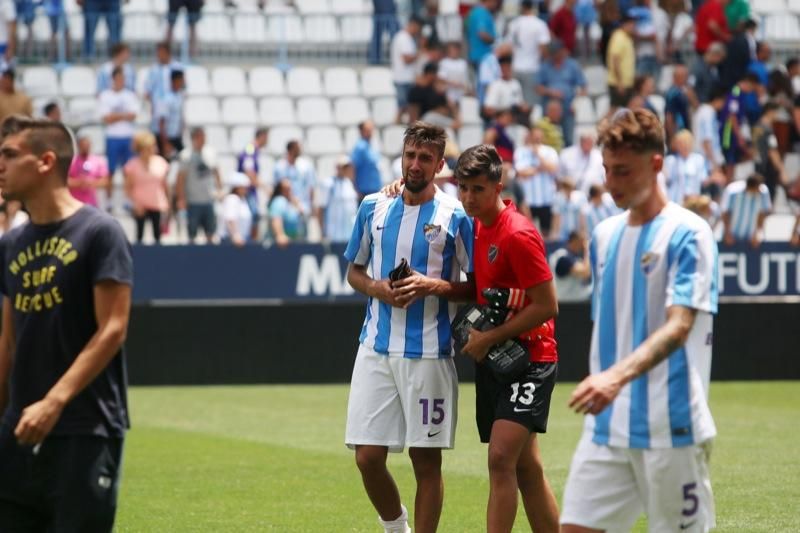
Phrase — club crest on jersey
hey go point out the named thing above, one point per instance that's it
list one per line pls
(493, 251)
(431, 231)
(648, 261)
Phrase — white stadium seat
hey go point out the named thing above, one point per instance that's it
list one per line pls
(326, 166)
(40, 81)
(384, 110)
(214, 28)
(280, 135)
(769, 7)
(793, 6)
(276, 111)
(350, 110)
(303, 81)
(266, 81)
(340, 81)
(197, 83)
(596, 79)
(470, 136)
(238, 110)
(377, 81)
(517, 133)
(321, 29)
(782, 27)
(313, 6)
(266, 168)
(249, 28)
(321, 140)
(228, 81)
(392, 138)
(83, 110)
(356, 28)
(601, 105)
(313, 110)
(469, 109)
(78, 81)
(217, 138)
(145, 26)
(201, 110)
(240, 136)
(284, 28)
(584, 110)
(348, 7)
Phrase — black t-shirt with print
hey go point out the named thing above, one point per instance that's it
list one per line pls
(48, 274)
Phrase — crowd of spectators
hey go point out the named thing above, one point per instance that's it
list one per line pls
(728, 103)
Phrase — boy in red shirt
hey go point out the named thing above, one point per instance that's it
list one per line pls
(509, 253)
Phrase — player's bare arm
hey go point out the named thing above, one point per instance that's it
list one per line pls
(543, 307)
(381, 289)
(416, 286)
(6, 352)
(595, 392)
(112, 302)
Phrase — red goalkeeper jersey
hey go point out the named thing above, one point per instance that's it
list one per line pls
(510, 254)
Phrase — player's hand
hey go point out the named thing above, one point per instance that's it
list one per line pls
(37, 421)
(384, 292)
(393, 189)
(478, 345)
(595, 393)
(412, 288)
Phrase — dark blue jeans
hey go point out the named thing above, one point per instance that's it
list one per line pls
(381, 23)
(92, 11)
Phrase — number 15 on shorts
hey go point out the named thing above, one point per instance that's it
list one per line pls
(432, 411)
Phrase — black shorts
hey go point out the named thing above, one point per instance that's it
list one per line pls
(69, 484)
(526, 401)
(192, 7)
(544, 214)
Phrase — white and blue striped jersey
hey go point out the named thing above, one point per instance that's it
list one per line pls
(539, 190)
(684, 177)
(639, 272)
(436, 238)
(569, 212)
(744, 208)
(593, 214)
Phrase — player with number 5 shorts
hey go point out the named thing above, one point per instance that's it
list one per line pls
(403, 391)
(648, 427)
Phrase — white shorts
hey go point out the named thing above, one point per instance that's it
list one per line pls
(398, 402)
(608, 488)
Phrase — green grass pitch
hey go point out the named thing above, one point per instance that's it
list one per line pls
(271, 458)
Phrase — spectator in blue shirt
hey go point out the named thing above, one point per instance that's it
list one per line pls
(481, 31)
(561, 78)
(760, 65)
(365, 160)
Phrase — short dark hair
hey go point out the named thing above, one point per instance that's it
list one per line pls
(118, 48)
(42, 135)
(263, 130)
(573, 235)
(175, 74)
(115, 71)
(421, 133)
(718, 91)
(430, 68)
(792, 62)
(479, 160)
(164, 45)
(50, 107)
(751, 77)
(753, 181)
(506, 59)
(595, 191)
(292, 144)
(632, 129)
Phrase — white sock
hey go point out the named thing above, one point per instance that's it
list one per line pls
(399, 524)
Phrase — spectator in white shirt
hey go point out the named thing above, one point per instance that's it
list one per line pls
(583, 162)
(529, 36)
(489, 69)
(118, 108)
(454, 71)
(404, 54)
(506, 93)
(235, 214)
(338, 201)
